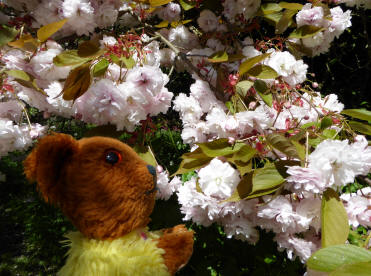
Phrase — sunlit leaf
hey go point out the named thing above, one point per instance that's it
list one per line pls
(186, 5)
(100, 68)
(162, 24)
(245, 153)
(235, 57)
(156, 3)
(291, 6)
(69, 58)
(88, 49)
(48, 30)
(257, 183)
(220, 147)
(175, 24)
(364, 128)
(230, 107)
(218, 57)
(356, 269)
(269, 8)
(300, 149)
(128, 62)
(285, 21)
(243, 86)
(334, 219)
(77, 83)
(305, 31)
(333, 257)
(273, 18)
(281, 143)
(361, 114)
(26, 42)
(7, 34)
(249, 63)
(18, 74)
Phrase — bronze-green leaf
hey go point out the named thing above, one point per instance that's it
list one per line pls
(334, 219)
(156, 3)
(69, 58)
(281, 143)
(361, 127)
(263, 72)
(285, 21)
(291, 6)
(48, 30)
(77, 82)
(249, 63)
(187, 5)
(305, 31)
(18, 74)
(220, 147)
(188, 165)
(218, 57)
(88, 49)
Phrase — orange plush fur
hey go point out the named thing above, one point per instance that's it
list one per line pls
(103, 200)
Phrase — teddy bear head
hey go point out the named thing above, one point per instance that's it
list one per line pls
(100, 183)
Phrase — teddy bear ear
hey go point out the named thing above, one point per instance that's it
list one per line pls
(45, 164)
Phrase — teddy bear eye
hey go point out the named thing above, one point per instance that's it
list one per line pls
(113, 157)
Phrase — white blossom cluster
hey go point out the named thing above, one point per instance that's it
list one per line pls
(332, 25)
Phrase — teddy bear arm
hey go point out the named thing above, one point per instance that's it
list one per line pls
(177, 243)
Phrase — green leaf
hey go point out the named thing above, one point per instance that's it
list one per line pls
(157, 3)
(262, 88)
(249, 63)
(100, 68)
(300, 149)
(186, 5)
(331, 258)
(326, 122)
(48, 30)
(129, 62)
(230, 107)
(334, 219)
(290, 6)
(267, 99)
(285, 21)
(18, 74)
(305, 31)
(7, 34)
(69, 58)
(356, 269)
(245, 153)
(361, 114)
(218, 57)
(220, 147)
(243, 86)
(258, 183)
(282, 144)
(364, 128)
(269, 8)
(266, 178)
(263, 72)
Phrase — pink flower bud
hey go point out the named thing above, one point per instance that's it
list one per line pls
(315, 84)
(159, 169)
(231, 140)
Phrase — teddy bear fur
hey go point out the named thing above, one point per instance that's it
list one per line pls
(103, 201)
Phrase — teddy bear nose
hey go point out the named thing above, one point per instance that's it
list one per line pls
(151, 170)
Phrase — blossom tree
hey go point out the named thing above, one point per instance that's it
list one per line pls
(268, 151)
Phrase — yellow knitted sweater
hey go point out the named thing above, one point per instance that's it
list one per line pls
(134, 254)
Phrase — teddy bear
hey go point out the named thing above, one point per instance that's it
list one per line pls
(108, 193)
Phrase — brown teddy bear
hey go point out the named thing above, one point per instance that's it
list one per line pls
(108, 193)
